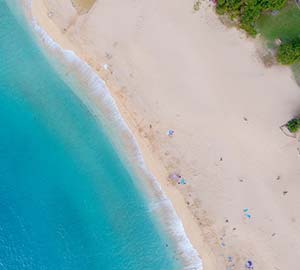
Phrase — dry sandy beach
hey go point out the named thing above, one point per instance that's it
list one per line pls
(170, 67)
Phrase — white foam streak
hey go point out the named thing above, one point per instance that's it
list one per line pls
(95, 93)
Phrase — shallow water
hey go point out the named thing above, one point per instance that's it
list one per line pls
(67, 201)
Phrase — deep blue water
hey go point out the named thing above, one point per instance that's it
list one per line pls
(66, 200)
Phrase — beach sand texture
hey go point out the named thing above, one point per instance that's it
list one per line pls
(170, 67)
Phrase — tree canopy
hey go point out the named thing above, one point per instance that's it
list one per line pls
(289, 53)
(247, 12)
(294, 125)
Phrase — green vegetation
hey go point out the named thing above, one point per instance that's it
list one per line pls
(248, 12)
(197, 5)
(276, 20)
(294, 125)
(296, 72)
(289, 53)
(285, 25)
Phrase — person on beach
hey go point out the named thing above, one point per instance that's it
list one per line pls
(249, 265)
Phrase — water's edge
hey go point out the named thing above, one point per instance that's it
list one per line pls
(90, 87)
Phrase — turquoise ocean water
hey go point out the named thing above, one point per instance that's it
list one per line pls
(66, 199)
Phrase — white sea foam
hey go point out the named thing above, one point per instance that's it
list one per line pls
(93, 92)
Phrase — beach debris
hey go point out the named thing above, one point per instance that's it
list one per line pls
(246, 213)
(175, 177)
(284, 129)
(108, 56)
(231, 265)
(249, 265)
(170, 132)
(275, 12)
(50, 14)
(106, 66)
(178, 178)
(197, 5)
(278, 41)
(285, 192)
(182, 182)
(223, 244)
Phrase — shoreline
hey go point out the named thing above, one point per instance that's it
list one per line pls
(198, 155)
(174, 228)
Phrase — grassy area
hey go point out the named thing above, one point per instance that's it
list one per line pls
(296, 72)
(277, 20)
(285, 25)
(247, 12)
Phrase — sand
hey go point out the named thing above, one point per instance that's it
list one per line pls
(171, 67)
(82, 6)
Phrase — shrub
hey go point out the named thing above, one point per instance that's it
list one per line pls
(289, 53)
(247, 12)
(250, 15)
(293, 125)
(197, 5)
(268, 5)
